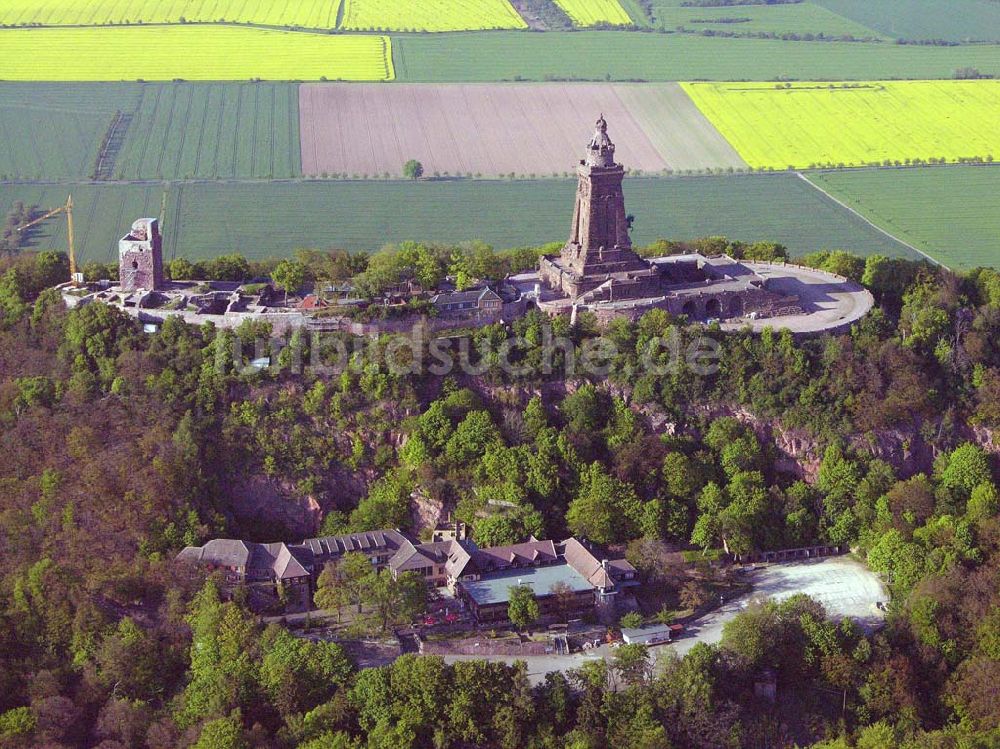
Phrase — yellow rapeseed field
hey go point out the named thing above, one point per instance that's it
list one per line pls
(309, 13)
(592, 12)
(430, 15)
(853, 124)
(218, 53)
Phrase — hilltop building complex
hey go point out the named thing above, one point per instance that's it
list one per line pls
(597, 271)
(571, 572)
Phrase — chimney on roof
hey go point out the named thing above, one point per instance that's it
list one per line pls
(604, 563)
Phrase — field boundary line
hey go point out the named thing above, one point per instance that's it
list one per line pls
(868, 221)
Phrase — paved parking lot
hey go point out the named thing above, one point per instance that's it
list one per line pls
(843, 585)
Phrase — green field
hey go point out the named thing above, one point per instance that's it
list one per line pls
(953, 20)
(268, 219)
(232, 53)
(948, 212)
(798, 18)
(624, 55)
(594, 12)
(805, 125)
(102, 214)
(53, 131)
(429, 15)
(208, 53)
(218, 130)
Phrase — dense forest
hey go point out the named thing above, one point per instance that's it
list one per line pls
(119, 448)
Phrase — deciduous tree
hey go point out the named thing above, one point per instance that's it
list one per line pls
(522, 608)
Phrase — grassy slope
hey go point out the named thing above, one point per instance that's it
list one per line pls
(623, 55)
(954, 20)
(263, 220)
(636, 12)
(949, 212)
(814, 124)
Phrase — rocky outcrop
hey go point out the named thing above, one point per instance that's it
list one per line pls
(257, 501)
(988, 438)
(905, 449)
(426, 512)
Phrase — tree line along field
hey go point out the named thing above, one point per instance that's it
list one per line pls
(495, 130)
(206, 219)
(948, 212)
(952, 20)
(594, 12)
(429, 15)
(190, 53)
(631, 56)
(836, 124)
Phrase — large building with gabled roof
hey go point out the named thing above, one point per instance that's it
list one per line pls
(481, 578)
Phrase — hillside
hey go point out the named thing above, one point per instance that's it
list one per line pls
(123, 447)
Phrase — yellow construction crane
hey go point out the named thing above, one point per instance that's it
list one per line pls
(75, 278)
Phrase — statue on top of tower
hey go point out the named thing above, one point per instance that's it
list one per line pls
(600, 151)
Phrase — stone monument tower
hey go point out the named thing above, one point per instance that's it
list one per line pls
(140, 257)
(599, 251)
(600, 225)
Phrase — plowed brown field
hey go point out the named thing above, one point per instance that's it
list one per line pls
(498, 129)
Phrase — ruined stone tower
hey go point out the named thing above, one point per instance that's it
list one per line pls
(140, 257)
